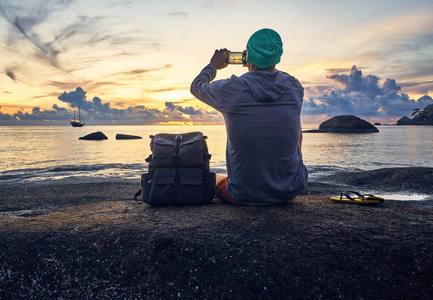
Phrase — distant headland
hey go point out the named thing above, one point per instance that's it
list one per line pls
(421, 117)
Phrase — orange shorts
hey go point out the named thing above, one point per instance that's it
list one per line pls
(221, 189)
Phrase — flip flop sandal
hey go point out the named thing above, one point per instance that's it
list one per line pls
(366, 199)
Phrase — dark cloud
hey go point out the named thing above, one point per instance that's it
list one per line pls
(170, 106)
(57, 108)
(424, 101)
(186, 110)
(356, 82)
(363, 96)
(11, 75)
(390, 85)
(100, 112)
(76, 98)
(4, 117)
(41, 115)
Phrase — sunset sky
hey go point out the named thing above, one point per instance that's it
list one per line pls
(132, 62)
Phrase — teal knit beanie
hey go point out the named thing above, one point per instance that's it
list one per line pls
(264, 48)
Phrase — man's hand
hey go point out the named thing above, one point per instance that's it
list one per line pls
(219, 58)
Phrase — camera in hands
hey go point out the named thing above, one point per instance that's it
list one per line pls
(237, 58)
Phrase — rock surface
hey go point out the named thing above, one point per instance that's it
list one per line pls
(415, 180)
(89, 240)
(347, 124)
(127, 137)
(95, 136)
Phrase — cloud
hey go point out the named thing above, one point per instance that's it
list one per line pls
(138, 72)
(125, 3)
(363, 96)
(425, 87)
(411, 84)
(356, 82)
(76, 98)
(57, 108)
(186, 110)
(42, 115)
(168, 89)
(99, 112)
(11, 75)
(4, 117)
(72, 34)
(178, 13)
(24, 16)
(337, 70)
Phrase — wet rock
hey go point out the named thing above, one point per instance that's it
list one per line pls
(95, 136)
(127, 137)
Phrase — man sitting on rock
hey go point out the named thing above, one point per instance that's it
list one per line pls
(262, 111)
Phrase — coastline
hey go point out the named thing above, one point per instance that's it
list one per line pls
(88, 239)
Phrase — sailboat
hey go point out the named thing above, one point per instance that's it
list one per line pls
(79, 122)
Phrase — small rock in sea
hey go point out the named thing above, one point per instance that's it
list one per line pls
(127, 137)
(95, 136)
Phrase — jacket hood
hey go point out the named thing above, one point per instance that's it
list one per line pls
(266, 86)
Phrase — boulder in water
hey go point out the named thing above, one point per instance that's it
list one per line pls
(404, 121)
(347, 124)
(127, 137)
(95, 136)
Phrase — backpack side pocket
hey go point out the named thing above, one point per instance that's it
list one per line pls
(190, 190)
(162, 187)
(209, 181)
(146, 183)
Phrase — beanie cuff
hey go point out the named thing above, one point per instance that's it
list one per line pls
(261, 63)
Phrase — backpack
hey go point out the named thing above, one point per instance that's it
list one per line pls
(178, 171)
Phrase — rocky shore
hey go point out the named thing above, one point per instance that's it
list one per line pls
(81, 240)
(421, 117)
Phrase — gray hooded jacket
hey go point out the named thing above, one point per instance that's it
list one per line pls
(262, 111)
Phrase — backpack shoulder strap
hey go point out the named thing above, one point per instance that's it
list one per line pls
(137, 194)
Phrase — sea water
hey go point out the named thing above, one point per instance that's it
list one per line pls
(33, 153)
